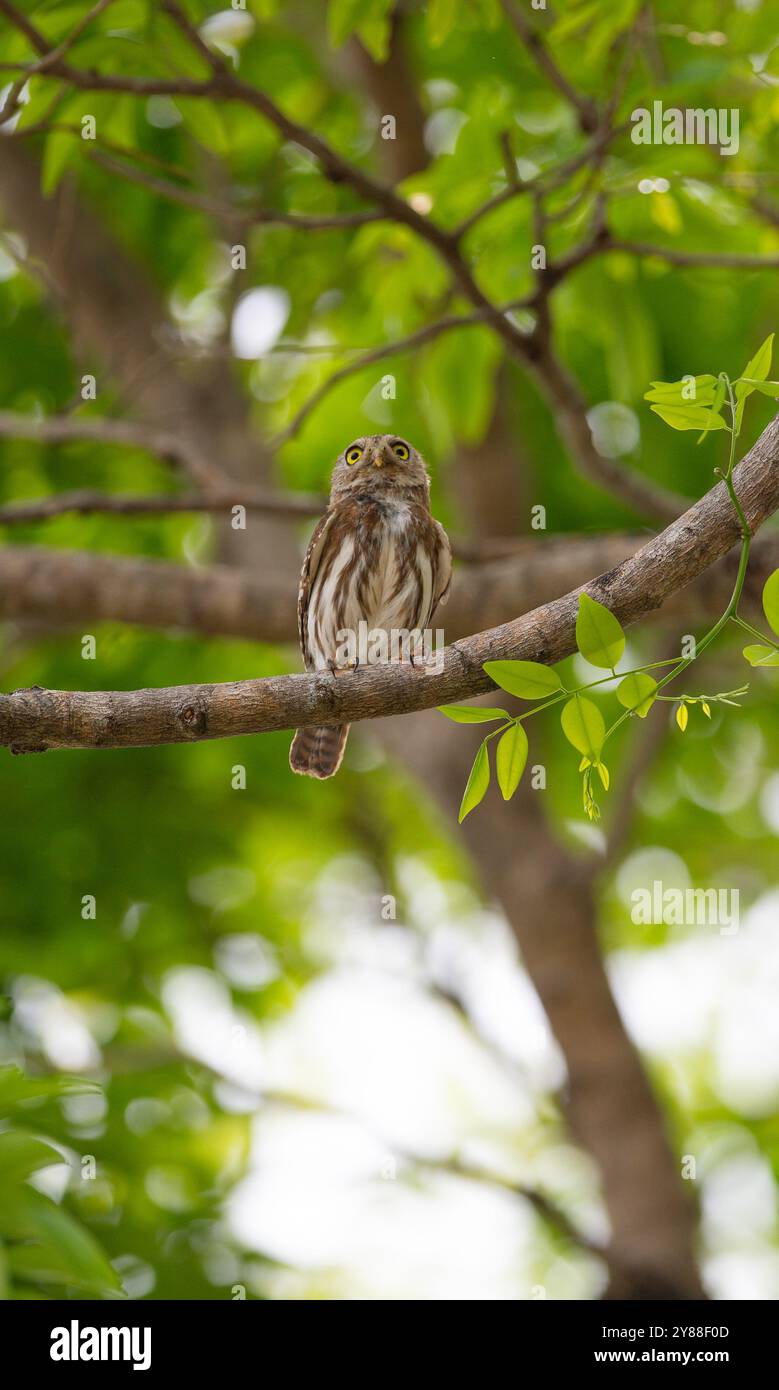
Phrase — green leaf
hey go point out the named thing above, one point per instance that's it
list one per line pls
(16, 1088)
(637, 692)
(599, 634)
(527, 679)
(576, 19)
(477, 783)
(584, 727)
(510, 759)
(603, 773)
(689, 417)
(52, 1246)
(441, 20)
(368, 18)
(758, 655)
(757, 369)
(739, 414)
(771, 601)
(22, 1153)
(768, 388)
(679, 393)
(472, 714)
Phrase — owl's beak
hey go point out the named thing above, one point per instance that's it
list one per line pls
(380, 457)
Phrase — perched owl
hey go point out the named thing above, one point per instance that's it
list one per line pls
(377, 560)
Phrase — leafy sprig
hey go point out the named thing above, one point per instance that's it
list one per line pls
(694, 402)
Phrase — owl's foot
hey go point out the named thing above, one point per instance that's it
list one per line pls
(345, 670)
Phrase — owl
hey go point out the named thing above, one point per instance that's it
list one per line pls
(377, 562)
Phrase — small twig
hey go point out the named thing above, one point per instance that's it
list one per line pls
(88, 501)
(509, 159)
(91, 501)
(545, 183)
(225, 213)
(585, 108)
(213, 60)
(726, 260)
(63, 429)
(426, 334)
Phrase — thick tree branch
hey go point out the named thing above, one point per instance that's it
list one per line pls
(32, 720)
(82, 588)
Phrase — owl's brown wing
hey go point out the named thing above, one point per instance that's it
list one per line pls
(307, 576)
(443, 572)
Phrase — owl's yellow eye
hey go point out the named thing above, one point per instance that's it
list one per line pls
(353, 455)
(399, 449)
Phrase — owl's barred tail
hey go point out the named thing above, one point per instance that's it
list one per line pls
(317, 752)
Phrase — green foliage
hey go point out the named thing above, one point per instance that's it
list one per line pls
(527, 679)
(771, 601)
(510, 759)
(477, 784)
(584, 726)
(637, 692)
(370, 19)
(599, 635)
(758, 655)
(472, 714)
(44, 1251)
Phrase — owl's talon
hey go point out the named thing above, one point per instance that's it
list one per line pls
(346, 670)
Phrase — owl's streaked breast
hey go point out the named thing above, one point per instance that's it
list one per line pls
(377, 569)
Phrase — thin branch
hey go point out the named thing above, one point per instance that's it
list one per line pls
(212, 60)
(48, 126)
(426, 334)
(225, 213)
(34, 720)
(545, 184)
(33, 35)
(70, 39)
(732, 260)
(291, 505)
(88, 502)
(585, 108)
(64, 429)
